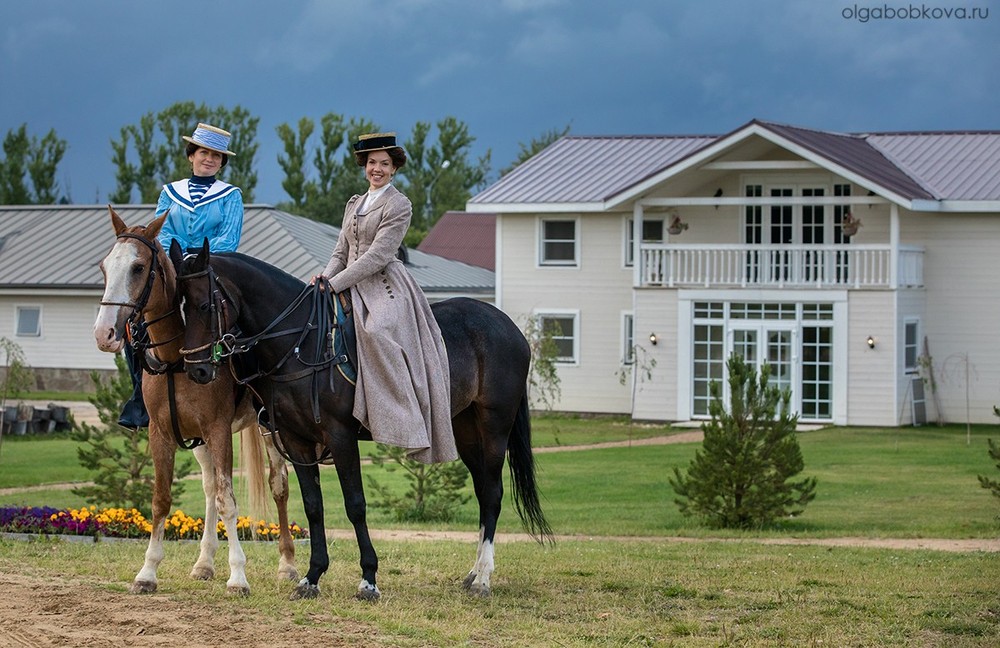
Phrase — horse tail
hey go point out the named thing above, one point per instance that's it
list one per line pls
(522, 472)
(252, 462)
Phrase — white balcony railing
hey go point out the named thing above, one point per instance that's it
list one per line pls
(780, 266)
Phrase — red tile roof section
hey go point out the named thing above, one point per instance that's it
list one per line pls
(462, 236)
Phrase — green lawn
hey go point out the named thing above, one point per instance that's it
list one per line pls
(907, 482)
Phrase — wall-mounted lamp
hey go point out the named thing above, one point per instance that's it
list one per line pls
(653, 339)
(871, 342)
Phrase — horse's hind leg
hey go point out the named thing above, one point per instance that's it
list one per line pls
(204, 567)
(162, 451)
(348, 462)
(482, 450)
(278, 480)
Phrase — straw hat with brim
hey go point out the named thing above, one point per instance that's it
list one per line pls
(375, 142)
(212, 138)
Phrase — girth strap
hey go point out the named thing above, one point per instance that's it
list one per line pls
(186, 444)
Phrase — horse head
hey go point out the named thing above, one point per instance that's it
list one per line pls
(130, 270)
(205, 307)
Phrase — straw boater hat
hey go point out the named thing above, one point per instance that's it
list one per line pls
(375, 142)
(212, 138)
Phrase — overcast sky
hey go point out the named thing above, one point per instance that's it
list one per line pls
(510, 69)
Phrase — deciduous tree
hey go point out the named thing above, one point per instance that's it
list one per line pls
(28, 168)
(150, 153)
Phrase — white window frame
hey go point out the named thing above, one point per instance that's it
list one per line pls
(21, 308)
(555, 313)
(628, 338)
(915, 323)
(628, 261)
(543, 262)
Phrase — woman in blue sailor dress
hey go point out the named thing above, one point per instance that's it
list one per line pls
(200, 207)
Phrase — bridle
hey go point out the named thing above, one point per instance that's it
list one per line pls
(138, 334)
(228, 343)
(137, 329)
(138, 305)
(224, 344)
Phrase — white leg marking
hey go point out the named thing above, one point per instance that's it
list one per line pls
(204, 567)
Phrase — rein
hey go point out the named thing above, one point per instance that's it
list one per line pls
(228, 344)
(138, 335)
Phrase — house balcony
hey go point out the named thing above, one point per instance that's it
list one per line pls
(839, 267)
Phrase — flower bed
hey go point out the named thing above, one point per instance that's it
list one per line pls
(122, 523)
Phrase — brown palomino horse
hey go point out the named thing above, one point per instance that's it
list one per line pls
(140, 286)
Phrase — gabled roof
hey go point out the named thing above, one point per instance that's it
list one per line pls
(462, 236)
(592, 173)
(587, 169)
(60, 246)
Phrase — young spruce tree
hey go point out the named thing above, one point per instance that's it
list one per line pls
(741, 476)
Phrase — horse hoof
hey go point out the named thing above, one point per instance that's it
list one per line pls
(469, 580)
(479, 590)
(289, 573)
(203, 573)
(304, 590)
(142, 587)
(238, 591)
(370, 595)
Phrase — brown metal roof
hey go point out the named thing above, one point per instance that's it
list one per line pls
(60, 246)
(465, 237)
(589, 169)
(953, 166)
(913, 166)
(855, 153)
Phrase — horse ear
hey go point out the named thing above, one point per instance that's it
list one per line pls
(154, 228)
(202, 259)
(176, 254)
(116, 221)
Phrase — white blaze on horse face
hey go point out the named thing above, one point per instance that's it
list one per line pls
(109, 328)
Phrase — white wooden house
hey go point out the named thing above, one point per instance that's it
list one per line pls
(765, 268)
(51, 286)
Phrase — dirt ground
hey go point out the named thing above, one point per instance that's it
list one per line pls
(39, 611)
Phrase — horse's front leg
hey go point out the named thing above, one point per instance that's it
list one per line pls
(278, 480)
(162, 451)
(204, 567)
(348, 462)
(319, 558)
(221, 450)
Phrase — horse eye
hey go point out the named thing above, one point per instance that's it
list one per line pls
(137, 269)
(204, 307)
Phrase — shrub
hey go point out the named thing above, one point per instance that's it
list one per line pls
(435, 489)
(740, 477)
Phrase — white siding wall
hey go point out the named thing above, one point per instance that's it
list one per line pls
(656, 396)
(599, 288)
(963, 309)
(67, 326)
(871, 387)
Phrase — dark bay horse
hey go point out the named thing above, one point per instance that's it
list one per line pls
(489, 359)
(140, 284)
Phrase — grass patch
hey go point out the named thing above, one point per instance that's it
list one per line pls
(634, 593)
(907, 482)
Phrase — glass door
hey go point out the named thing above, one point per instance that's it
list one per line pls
(770, 343)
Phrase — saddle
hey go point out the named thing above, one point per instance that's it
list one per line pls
(345, 345)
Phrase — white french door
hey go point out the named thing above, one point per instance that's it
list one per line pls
(772, 343)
